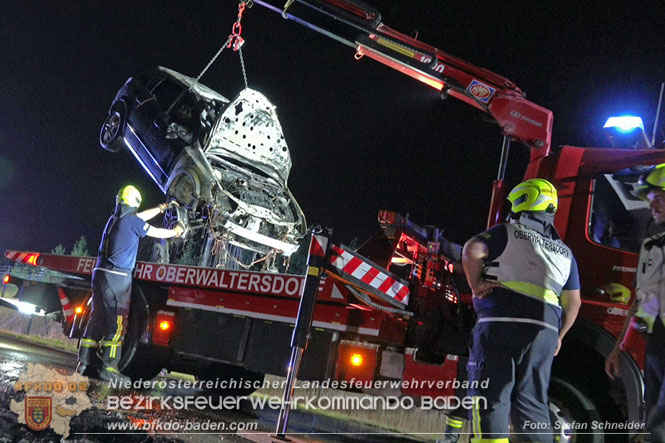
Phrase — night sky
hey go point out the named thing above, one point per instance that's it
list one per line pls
(362, 136)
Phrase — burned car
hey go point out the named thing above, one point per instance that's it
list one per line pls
(224, 161)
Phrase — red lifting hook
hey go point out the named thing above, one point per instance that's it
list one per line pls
(235, 39)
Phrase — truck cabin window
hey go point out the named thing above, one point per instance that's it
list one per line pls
(618, 219)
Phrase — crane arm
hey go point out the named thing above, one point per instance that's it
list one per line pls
(359, 26)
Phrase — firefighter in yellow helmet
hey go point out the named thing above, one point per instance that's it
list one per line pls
(525, 285)
(112, 282)
(647, 312)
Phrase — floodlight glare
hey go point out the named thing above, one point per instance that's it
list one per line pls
(625, 123)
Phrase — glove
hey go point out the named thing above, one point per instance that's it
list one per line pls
(180, 229)
(169, 204)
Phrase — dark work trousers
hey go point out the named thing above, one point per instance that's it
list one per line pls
(455, 418)
(462, 411)
(111, 294)
(514, 360)
(654, 392)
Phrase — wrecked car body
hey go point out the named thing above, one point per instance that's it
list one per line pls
(224, 161)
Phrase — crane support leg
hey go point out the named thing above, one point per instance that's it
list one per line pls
(318, 250)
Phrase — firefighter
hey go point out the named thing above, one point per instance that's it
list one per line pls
(648, 309)
(112, 281)
(525, 286)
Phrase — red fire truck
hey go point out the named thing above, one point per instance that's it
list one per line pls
(397, 307)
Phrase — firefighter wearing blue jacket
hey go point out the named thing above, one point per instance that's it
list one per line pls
(525, 286)
(112, 281)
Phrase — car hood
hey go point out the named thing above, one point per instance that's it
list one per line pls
(248, 131)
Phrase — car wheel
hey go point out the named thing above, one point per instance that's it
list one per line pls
(110, 137)
(573, 414)
(140, 360)
(186, 188)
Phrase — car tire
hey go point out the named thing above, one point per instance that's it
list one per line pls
(110, 136)
(140, 360)
(569, 405)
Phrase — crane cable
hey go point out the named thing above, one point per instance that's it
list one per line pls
(234, 41)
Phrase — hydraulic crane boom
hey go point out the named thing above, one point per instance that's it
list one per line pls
(359, 26)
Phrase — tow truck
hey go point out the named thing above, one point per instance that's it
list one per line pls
(397, 307)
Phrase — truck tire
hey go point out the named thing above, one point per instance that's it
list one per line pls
(249, 381)
(140, 360)
(570, 406)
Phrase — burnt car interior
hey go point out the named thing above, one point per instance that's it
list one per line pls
(225, 162)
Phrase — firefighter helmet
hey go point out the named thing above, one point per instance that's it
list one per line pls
(129, 196)
(535, 195)
(653, 178)
(617, 292)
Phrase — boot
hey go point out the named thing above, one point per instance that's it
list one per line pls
(453, 430)
(111, 352)
(88, 362)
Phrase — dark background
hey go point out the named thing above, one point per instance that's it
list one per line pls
(362, 136)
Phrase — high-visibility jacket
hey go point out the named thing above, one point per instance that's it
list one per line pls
(650, 287)
(532, 264)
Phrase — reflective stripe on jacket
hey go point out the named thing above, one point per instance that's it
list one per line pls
(531, 264)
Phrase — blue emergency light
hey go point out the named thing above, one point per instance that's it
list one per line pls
(626, 132)
(625, 123)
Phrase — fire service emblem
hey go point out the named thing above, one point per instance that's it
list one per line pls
(38, 412)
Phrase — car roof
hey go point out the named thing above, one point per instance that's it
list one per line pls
(200, 89)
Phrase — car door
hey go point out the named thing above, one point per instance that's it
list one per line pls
(148, 122)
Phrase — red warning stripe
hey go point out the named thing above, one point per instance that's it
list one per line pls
(387, 284)
(366, 273)
(402, 294)
(352, 265)
(30, 258)
(370, 275)
(319, 244)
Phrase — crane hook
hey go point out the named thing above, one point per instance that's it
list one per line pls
(286, 6)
